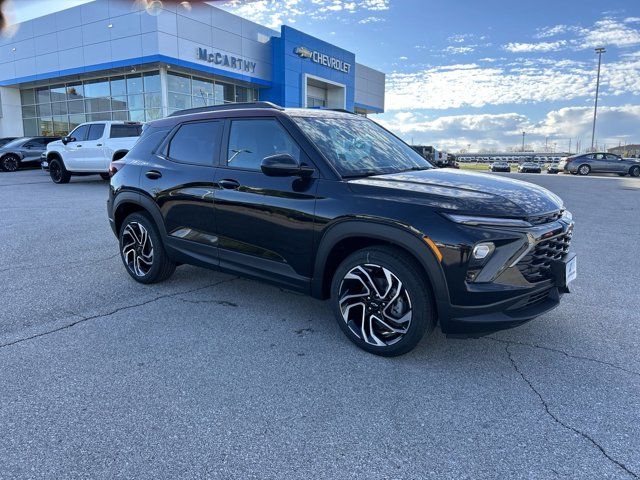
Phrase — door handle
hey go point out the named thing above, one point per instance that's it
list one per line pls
(98, 145)
(153, 174)
(78, 146)
(229, 184)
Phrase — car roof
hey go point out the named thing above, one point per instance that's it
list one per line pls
(248, 110)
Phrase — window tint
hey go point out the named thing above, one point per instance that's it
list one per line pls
(196, 143)
(612, 157)
(80, 133)
(147, 143)
(250, 141)
(120, 131)
(95, 131)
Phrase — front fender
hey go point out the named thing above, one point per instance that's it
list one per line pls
(408, 240)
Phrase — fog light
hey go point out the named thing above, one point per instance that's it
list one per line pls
(483, 250)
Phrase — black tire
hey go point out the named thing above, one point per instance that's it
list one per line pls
(105, 176)
(10, 163)
(634, 171)
(160, 267)
(420, 304)
(584, 169)
(57, 171)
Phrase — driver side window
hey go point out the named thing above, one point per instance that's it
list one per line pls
(80, 133)
(250, 141)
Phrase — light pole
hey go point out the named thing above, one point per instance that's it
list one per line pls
(599, 51)
(523, 134)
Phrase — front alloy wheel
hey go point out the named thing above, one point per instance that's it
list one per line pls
(634, 172)
(375, 305)
(381, 300)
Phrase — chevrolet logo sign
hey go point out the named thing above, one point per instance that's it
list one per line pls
(303, 52)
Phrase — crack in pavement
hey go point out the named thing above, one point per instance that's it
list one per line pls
(73, 262)
(561, 423)
(562, 352)
(83, 319)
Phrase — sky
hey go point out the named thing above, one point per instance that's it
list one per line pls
(473, 75)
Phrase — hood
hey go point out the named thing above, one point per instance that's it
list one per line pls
(464, 192)
(54, 143)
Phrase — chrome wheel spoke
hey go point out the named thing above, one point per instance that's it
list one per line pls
(383, 314)
(137, 249)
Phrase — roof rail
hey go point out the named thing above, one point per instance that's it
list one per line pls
(226, 106)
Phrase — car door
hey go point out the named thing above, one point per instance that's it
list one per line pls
(599, 163)
(93, 150)
(32, 150)
(72, 151)
(180, 178)
(264, 224)
(615, 164)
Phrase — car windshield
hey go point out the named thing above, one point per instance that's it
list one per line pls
(358, 147)
(15, 143)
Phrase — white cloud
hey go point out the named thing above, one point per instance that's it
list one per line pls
(529, 81)
(274, 13)
(504, 131)
(535, 47)
(547, 32)
(610, 32)
(366, 20)
(458, 50)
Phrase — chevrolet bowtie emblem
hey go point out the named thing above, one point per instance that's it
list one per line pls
(303, 52)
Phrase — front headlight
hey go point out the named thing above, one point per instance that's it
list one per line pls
(567, 215)
(486, 221)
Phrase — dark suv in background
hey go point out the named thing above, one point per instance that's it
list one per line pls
(333, 205)
(23, 151)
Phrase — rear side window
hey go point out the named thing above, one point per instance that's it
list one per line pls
(196, 143)
(80, 133)
(121, 131)
(95, 131)
(148, 142)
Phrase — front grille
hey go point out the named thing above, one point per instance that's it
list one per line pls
(535, 266)
(542, 219)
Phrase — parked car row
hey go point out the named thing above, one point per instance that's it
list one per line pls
(87, 150)
(585, 164)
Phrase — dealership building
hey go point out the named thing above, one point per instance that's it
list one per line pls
(115, 60)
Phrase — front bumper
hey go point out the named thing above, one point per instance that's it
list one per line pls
(505, 292)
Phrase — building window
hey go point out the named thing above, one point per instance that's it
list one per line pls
(58, 109)
(187, 91)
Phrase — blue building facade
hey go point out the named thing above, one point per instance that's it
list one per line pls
(113, 60)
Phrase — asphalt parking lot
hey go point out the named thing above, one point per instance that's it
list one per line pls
(211, 376)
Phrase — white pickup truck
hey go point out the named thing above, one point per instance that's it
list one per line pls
(89, 149)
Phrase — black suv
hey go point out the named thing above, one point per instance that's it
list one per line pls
(333, 205)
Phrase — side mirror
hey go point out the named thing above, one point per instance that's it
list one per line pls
(68, 139)
(284, 165)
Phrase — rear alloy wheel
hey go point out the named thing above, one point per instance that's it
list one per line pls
(634, 171)
(381, 301)
(57, 172)
(584, 170)
(142, 251)
(10, 163)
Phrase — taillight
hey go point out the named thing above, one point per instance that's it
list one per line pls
(115, 167)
